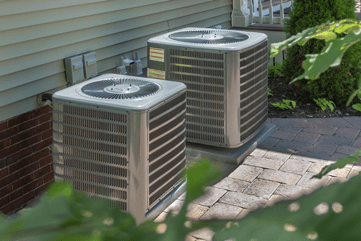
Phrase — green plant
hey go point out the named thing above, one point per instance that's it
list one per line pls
(269, 91)
(323, 103)
(285, 105)
(358, 105)
(335, 84)
(274, 71)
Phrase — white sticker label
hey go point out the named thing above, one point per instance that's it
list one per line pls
(156, 54)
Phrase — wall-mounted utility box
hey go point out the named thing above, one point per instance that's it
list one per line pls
(90, 65)
(74, 69)
(132, 63)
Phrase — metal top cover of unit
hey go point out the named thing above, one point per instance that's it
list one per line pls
(121, 91)
(206, 38)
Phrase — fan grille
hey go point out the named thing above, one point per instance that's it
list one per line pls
(209, 36)
(117, 88)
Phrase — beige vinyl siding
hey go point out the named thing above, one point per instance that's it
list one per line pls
(37, 35)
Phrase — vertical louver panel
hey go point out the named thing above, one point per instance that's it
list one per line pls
(166, 147)
(253, 90)
(204, 75)
(91, 148)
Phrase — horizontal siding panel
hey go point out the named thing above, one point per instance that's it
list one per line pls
(176, 23)
(207, 22)
(23, 6)
(33, 88)
(42, 44)
(28, 61)
(53, 28)
(75, 12)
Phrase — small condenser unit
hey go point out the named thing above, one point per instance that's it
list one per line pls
(122, 139)
(226, 76)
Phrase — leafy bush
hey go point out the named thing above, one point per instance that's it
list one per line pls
(358, 105)
(285, 105)
(323, 103)
(336, 83)
(274, 71)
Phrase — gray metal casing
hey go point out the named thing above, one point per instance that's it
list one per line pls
(119, 147)
(226, 85)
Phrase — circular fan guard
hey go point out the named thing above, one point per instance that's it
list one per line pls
(209, 37)
(120, 88)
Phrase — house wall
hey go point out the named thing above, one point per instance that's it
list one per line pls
(36, 36)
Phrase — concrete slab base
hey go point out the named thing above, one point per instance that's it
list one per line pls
(230, 155)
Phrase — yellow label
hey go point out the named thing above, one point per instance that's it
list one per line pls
(156, 54)
(156, 74)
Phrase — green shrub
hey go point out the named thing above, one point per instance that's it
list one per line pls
(336, 84)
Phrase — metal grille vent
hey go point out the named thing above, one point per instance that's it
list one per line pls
(120, 88)
(204, 75)
(91, 151)
(208, 37)
(253, 90)
(166, 147)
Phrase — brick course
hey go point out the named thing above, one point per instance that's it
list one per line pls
(25, 158)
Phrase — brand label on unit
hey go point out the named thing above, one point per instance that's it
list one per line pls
(156, 74)
(156, 54)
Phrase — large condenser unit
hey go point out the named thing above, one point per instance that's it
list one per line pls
(226, 76)
(122, 139)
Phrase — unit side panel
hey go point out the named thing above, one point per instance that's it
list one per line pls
(204, 73)
(167, 159)
(253, 90)
(90, 150)
(157, 59)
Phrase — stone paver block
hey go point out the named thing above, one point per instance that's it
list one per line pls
(258, 152)
(283, 135)
(246, 173)
(317, 167)
(323, 131)
(340, 172)
(296, 166)
(335, 140)
(338, 122)
(273, 200)
(357, 143)
(323, 148)
(346, 150)
(296, 122)
(269, 121)
(307, 137)
(291, 191)
(175, 206)
(290, 129)
(232, 184)
(293, 145)
(336, 180)
(191, 238)
(211, 196)
(310, 156)
(244, 213)
(355, 121)
(279, 176)
(319, 123)
(354, 171)
(195, 211)
(262, 188)
(263, 162)
(276, 154)
(314, 183)
(281, 122)
(203, 233)
(350, 133)
(268, 143)
(242, 200)
(161, 217)
(222, 211)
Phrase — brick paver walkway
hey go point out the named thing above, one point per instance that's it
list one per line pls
(280, 168)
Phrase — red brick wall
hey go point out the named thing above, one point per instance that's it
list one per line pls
(26, 167)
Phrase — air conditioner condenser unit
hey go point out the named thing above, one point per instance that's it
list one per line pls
(122, 139)
(226, 76)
